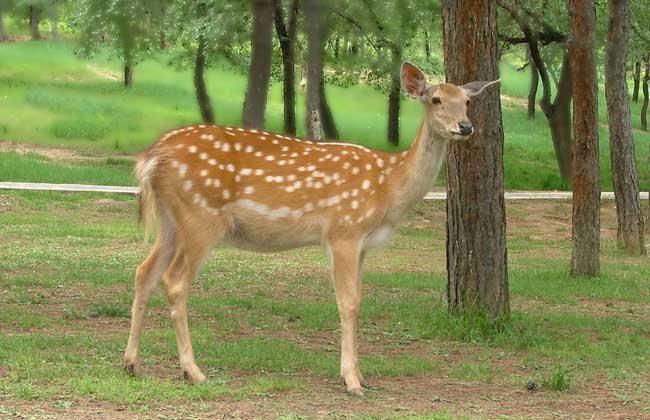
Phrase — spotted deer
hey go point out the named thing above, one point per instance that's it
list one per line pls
(268, 192)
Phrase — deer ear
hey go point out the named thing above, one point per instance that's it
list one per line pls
(413, 80)
(475, 88)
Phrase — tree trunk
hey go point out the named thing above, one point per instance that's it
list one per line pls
(586, 172)
(532, 90)
(128, 73)
(394, 98)
(54, 21)
(636, 76)
(477, 276)
(626, 183)
(34, 21)
(286, 36)
(330, 131)
(427, 46)
(314, 68)
(558, 115)
(202, 96)
(260, 69)
(3, 36)
(644, 105)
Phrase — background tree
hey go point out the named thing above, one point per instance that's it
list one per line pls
(543, 24)
(201, 32)
(626, 183)
(477, 275)
(260, 67)
(586, 165)
(5, 7)
(314, 29)
(286, 32)
(127, 27)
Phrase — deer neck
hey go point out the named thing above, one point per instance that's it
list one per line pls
(416, 175)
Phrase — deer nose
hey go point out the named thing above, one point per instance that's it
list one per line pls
(466, 128)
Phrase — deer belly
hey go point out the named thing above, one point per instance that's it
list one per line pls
(271, 232)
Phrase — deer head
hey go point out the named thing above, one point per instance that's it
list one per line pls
(445, 104)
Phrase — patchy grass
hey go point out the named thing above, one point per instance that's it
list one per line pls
(67, 287)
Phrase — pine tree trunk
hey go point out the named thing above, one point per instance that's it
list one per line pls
(636, 77)
(532, 90)
(427, 46)
(558, 114)
(54, 21)
(477, 276)
(286, 36)
(128, 74)
(314, 68)
(394, 98)
(586, 166)
(330, 131)
(260, 68)
(202, 96)
(34, 21)
(644, 88)
(3, 36)
(626, 183)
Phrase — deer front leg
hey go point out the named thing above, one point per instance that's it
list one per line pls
(346, 257)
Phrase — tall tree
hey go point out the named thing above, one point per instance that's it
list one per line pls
(624, 174)
(260, 68)
(538, 29)
(314, 24)
(644, 89)
(287, 36)
(202, 96)
(636, 77)
(126, 26)
(534, 82)
(5, 6)
(586, 167)
(34, 14)
(477, 275)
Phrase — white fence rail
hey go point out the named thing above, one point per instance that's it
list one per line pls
(432, 196)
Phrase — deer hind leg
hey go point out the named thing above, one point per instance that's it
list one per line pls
(192, 249)
(146, 278)
(346, 259)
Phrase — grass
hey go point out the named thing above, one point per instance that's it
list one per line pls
(53, 98)
(66, 291)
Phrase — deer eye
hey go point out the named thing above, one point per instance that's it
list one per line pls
(435, 100)
(467, 103)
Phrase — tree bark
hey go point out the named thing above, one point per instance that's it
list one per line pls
(34, 21)
(427, 46)
(644, 88)
(54, 21)
(626, 183)
(260, 68)
(477, 276)
(202, 96)
(394, 98)
(286, 36)
(532, 90)
(3, 35)
(586, 167)
(558, 114)
(314, 68)
(128, 73)
(636, 77)
(328, 124)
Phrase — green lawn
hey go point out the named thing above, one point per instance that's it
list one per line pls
(265, 327)
(48, 96)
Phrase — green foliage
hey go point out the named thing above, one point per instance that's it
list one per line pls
(560, 379)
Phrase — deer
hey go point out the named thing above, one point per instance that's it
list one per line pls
(265, 192)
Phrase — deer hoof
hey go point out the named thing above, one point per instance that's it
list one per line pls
(357, 392)
(133, 369)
